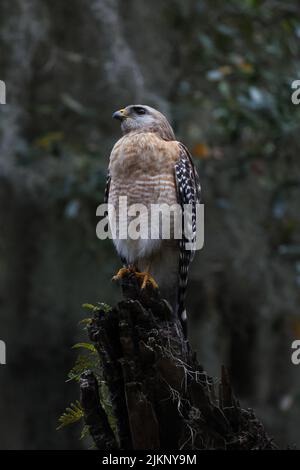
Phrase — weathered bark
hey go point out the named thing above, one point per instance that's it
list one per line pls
(161, 397)
(95, 416)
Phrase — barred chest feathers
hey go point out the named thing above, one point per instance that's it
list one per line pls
(142, 169)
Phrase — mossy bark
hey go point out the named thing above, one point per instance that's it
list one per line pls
(160, 395)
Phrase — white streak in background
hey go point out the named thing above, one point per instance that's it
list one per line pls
(2, 92)
(121, 57)
(296, 94)
(21, 35)
(122, 66)
(2, 352)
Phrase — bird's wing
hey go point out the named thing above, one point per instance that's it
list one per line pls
(188, 192)
(107, 186)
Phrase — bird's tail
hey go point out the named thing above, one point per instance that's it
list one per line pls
(181, 310)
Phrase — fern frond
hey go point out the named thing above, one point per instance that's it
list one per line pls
(90, 307)
(84, 432)
(104, 307)
(72, 414)
(90, 347)
(82, 364)
(85, 321)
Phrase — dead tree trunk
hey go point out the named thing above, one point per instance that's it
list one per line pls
(161, 398)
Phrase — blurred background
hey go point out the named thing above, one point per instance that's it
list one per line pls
(222, 72)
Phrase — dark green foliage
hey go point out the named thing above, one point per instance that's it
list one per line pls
(73, 414)
(87, 361)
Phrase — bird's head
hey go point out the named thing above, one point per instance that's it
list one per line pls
(137, 117)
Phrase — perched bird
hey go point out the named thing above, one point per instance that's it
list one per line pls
(149, 166)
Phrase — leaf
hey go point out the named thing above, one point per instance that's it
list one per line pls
(96, 308)
(88, 346)
(49, 139)
(71, 415)
(84, 432)
(225, 70)
(83, 362)
(201, 151)
(90, 306)
(104, 307)
(246, 67)
(85, 321)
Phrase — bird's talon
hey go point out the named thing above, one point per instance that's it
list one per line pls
(147, 278)
(121, 273)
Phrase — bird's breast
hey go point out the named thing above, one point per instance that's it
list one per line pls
(142, 172)
(142, 168)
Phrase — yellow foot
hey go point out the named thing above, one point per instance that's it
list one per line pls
(122, 273)
(146, 276)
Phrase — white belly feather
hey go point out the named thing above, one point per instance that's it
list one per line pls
(135, 250)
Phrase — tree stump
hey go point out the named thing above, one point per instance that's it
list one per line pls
(160, 396)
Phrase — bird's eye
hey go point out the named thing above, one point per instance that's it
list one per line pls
(140, 111)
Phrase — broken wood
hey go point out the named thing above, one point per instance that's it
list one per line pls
(160, 396)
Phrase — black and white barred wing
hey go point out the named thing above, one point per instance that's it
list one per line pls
(107, 187)
(188, 194)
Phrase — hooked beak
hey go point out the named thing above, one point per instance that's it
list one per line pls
(120, 115)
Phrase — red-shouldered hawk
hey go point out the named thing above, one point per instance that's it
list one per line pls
(148, 166)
